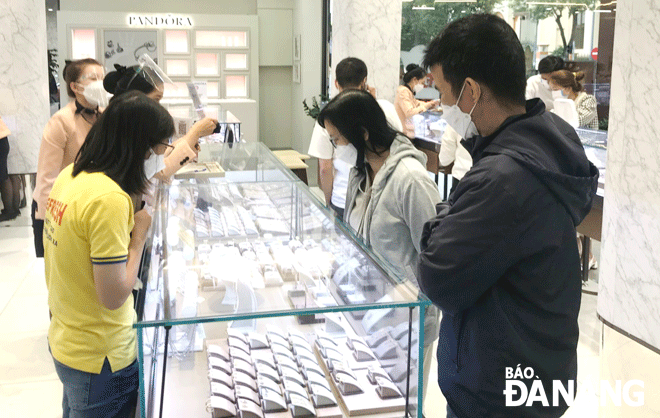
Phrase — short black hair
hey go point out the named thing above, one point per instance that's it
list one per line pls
(413, 71)
(485, 48)
(119, 141)
(125, 79)
(550, 64)
(350, 72)
(354, 112)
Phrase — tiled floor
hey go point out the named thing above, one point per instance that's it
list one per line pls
(29, 386)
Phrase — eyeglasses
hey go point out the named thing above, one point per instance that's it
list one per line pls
(167, 145)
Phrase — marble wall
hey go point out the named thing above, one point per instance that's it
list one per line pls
(629, 291)
(23, 80)
(629, 288)
(371, 31)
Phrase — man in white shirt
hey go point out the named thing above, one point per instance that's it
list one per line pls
(351, 73)
(537, 85)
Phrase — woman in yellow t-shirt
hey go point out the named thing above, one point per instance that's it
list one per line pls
(93, 240)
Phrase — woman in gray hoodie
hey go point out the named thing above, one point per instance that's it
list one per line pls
(390, 194)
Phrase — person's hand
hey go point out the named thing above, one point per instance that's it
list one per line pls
(433, 104)
(142, 223)
(203, 127)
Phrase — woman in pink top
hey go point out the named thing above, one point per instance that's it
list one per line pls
(65, 133)
(405, 103)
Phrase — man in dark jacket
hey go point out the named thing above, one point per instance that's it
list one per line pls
(501, 258)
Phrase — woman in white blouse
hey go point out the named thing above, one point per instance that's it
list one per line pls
(567, 83)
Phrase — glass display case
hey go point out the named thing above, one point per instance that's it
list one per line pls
(595, 146)
(258, 302)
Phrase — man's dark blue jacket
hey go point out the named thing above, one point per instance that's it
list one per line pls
(501, 261)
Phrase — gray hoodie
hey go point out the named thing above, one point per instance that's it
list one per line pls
(403, 199)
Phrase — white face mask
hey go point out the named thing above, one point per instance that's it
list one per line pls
(153, 164)
(418, 88)
(347, 153)
(545, 84)
(558, 94)
(460, 121)
(95, 94)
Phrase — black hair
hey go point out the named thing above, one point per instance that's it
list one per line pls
(485, 48)
(350, 72)
(550, 64)
(73, 70)
(354, 112)
(119, 141)
(413, 71)
(128, 78)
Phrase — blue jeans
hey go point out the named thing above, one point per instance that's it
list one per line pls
(105, 395)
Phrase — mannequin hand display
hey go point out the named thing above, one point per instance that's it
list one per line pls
(142, 224)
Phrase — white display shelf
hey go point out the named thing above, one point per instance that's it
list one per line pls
(220, 39)
(206, 64)
(236, 85)
(83, 43)
(177, 67)
(235, 61)
(177, 42)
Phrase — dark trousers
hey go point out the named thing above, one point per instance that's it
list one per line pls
(339, 211)
(38, 230)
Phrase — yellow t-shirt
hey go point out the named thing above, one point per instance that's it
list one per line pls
(88, 221)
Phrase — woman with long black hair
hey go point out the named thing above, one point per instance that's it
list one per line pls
(93, 241)
(390, 194)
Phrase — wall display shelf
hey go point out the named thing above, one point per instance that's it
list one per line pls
(259, 303)
(125, 46)
(175, 67)
(235, 61)
(177, 41)
(221, 39)
(236, 86)
(83, 43)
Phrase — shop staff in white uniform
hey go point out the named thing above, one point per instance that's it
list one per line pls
(351, 73)
(537, 85)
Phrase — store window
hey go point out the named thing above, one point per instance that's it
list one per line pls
(580, 31)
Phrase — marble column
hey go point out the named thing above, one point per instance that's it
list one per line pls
(371, 31)
(24, 100)
(629, 288)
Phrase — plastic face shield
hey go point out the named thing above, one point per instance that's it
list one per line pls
(151, 72)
